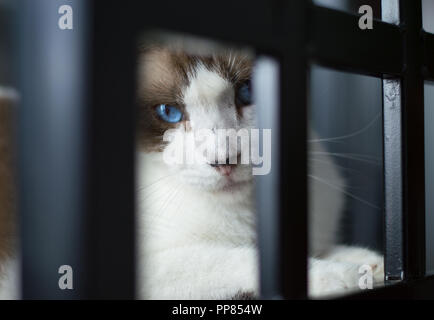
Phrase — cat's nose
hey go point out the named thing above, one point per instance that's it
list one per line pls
(226, 167)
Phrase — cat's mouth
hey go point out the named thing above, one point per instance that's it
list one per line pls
(231, 185)
(230, 180)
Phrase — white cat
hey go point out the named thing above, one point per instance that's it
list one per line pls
(197, 235)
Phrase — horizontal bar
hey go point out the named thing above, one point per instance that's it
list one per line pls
(239, 25)
(337, 41)
(334, 39)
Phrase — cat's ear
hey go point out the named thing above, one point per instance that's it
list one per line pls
(155, 70)
(147, 47)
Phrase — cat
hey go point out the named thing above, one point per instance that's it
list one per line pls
(196, 223)
(197, 226)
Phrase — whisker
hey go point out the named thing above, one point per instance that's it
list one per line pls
(360, 131)
(351, 156)
(171, 197)
(343, 191)
(153, 183)
(332, 141)
(335, 165)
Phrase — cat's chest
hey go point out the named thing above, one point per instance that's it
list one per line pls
(186, 217)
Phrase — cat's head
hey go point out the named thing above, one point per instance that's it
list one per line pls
(186, 93)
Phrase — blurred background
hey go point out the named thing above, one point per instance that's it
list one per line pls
(347, 109)
(6, 42)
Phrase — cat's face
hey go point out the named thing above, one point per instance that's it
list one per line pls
(188, 93)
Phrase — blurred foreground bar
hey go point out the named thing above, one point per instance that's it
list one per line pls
(75, 155)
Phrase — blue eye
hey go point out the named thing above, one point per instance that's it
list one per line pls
(169, 113)
(244, 94)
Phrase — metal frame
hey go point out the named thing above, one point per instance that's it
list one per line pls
(295, 33)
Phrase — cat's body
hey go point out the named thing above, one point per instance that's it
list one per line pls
(197, 236)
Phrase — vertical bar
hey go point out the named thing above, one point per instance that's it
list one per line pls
(292, 230)
(429, 171)
(51, 118)
(293, 153)
(293, 224)
(266, 96)
(281, 101)
(413, 141)
(393, 251)
(76, 150)
(392, 144)
(111, 148)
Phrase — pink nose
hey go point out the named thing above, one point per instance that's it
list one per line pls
(225, 169)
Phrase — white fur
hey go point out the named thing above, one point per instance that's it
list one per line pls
(187, 233)
(197, 240)
(325, 203)
(9, 279)
(338, 271)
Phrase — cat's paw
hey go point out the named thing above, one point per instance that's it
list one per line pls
(360, 257)
(327, 278)
(378, 271)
